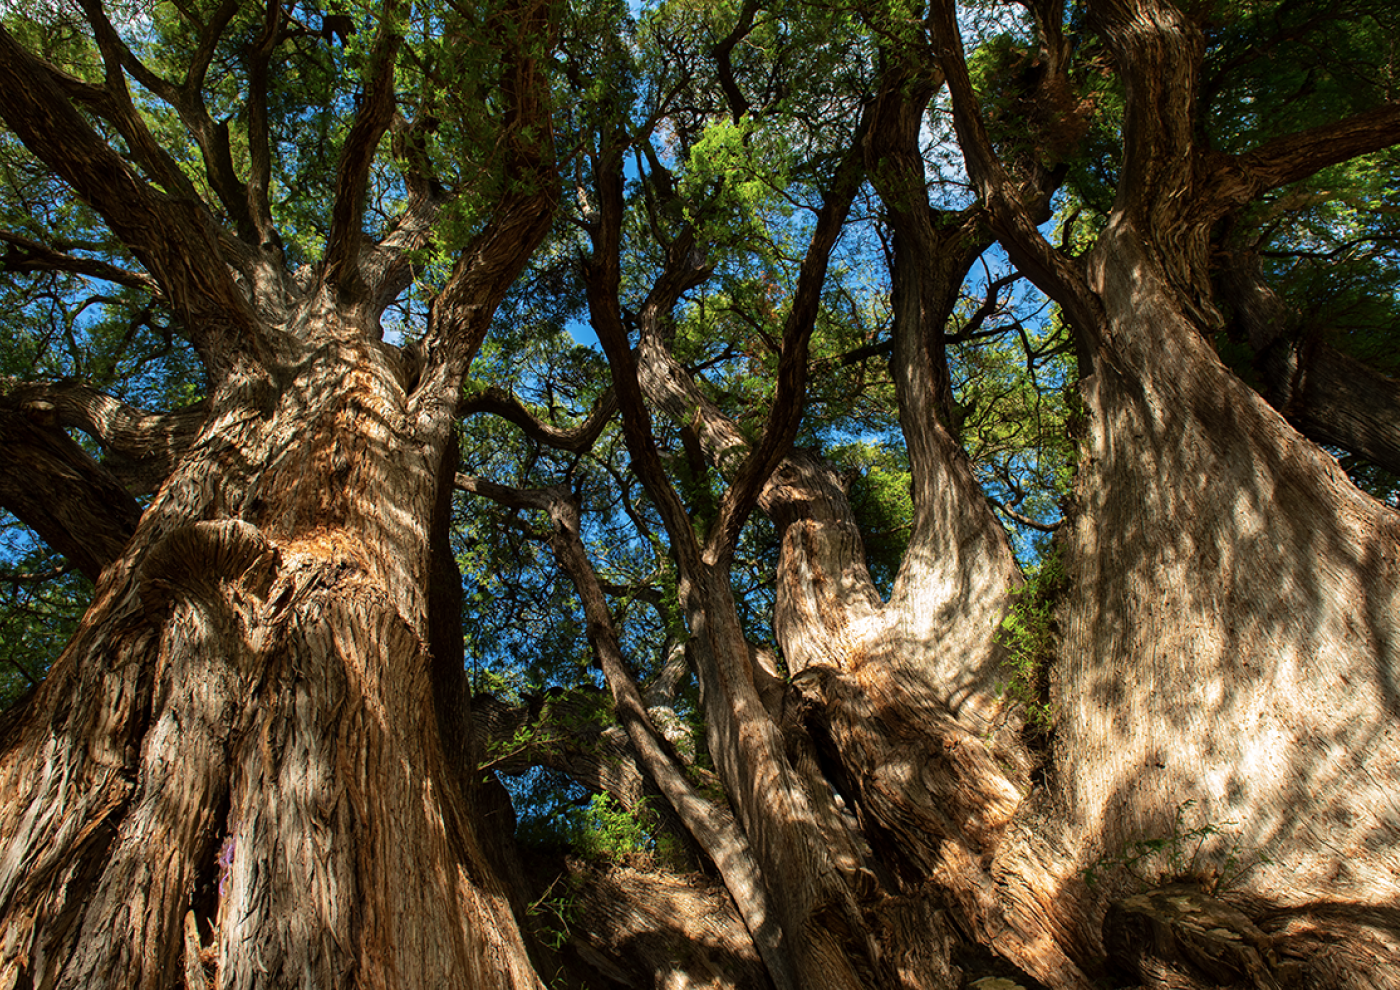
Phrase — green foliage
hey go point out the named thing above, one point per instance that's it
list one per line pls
(37, 616)
(594, 827)
(1185, 854)
(554, 917)
(1028, 634)
(586, 711)
(607, 830)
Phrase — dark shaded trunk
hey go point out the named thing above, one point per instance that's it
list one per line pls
(1327, 396)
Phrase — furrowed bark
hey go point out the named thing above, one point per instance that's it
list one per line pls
(245, 725)
(1221, 572)
(323, 822)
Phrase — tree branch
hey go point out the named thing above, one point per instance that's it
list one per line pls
(785, 415)
(259, 185)
(712, 825)
(578, 440)
(115, 104)
(1024, 520)
(1010, 216)
(143, 448)
(1329, 397)
(51, 485)
(372, 122)
(174, 238)
(462, 312)
(724, 68)
(1296, 156)
(24, 255)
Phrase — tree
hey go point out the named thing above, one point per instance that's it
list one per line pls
(852, 731)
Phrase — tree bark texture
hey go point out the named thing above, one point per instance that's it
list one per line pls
(244, 725)
(1224, 572)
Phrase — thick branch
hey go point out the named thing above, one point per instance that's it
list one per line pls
(724, 67)
(372, 122)
(1296, 156)
(602, 280)
(577, 440)
(115, 104)
(52, 486)
(259, 205)
(490, 263)
(563, 731)
(142, 448)
(175, 239)
(213, 139)
(24, 255)
(712, 825)
(387, 268)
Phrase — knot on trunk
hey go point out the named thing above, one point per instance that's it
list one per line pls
(1180, 937)
(194, 561)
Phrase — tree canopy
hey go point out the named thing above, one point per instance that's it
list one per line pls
(814, 494)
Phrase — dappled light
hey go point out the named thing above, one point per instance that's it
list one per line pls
(613, 495)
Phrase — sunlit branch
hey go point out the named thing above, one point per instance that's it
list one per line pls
(387, 268)
(1023, 520)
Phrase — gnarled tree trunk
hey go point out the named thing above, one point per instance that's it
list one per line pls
(237, 771)
(244, 726)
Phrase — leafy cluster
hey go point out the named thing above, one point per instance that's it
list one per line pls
(1028, 634)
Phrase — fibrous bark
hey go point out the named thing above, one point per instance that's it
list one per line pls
(247, 725)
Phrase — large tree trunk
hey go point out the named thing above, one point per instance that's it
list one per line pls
(1230, 628)
(1227, 663)
(244, 725)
